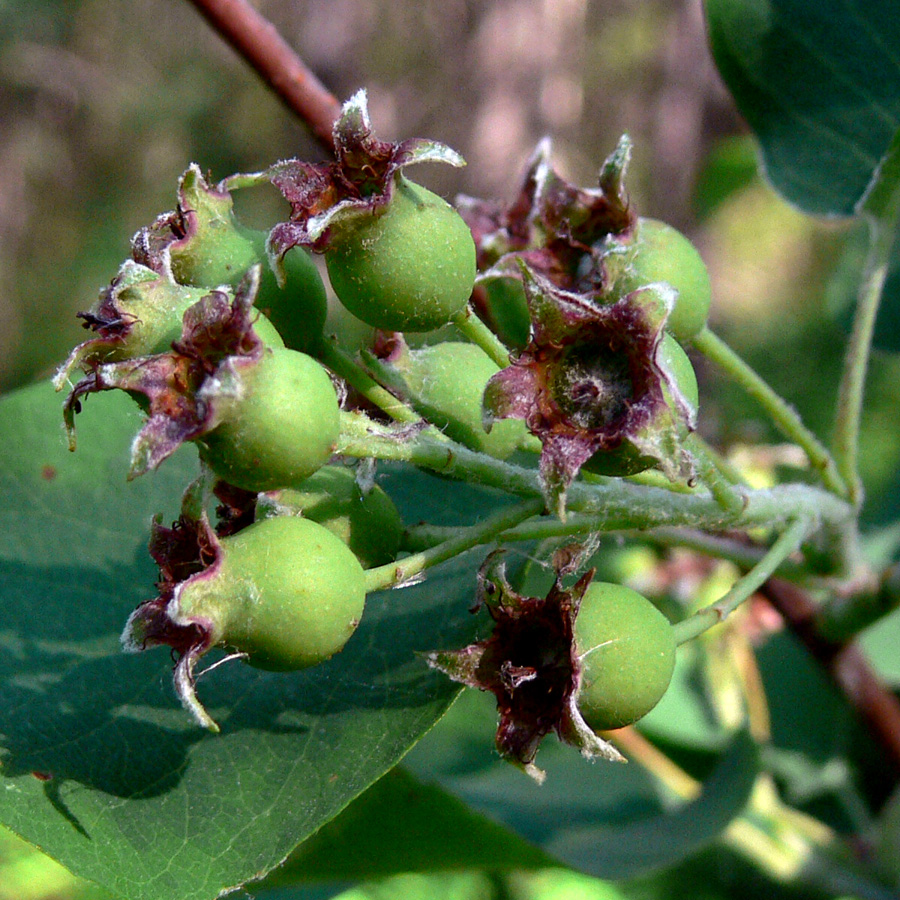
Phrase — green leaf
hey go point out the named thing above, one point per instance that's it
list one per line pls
(403, 825)
(626, 849)
(819, 83)
(605, 819)
(101, 768)
(821, 727)
(882, 198)
(731, 166)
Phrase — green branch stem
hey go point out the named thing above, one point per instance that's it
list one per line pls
(783, 415)
(402, 570)
(788, 541)
(856, 360)
(616, 502)
(730, 498)
(474, 330)
(741, 553)
(356, 376)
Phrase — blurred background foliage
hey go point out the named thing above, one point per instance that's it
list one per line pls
(105, 104)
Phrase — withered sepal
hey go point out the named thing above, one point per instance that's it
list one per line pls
(530, 664)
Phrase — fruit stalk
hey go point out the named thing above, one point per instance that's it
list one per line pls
(788, 541)
(730, 498)
(479, 334)
(396, 573)
(851, 391)
(783, 415)
(616, 501)
(330, 355)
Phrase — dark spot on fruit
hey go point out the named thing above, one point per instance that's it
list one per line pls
(48, 473)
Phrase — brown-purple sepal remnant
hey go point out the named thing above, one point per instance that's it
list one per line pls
(589, 381)
(324, 197)
(187, 552)
(137, 314)
(191, 389)
(560, 230)
(530, 664)
(236, 509)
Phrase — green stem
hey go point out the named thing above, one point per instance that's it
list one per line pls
(421, 537)
(478, 333)
(721, 487)
(635, 506)
(783, 415)
(856, 360)
(397, 572)
(788, 541)
(347, 368)
(726, 469)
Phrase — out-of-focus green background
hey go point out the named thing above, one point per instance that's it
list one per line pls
(103, 105)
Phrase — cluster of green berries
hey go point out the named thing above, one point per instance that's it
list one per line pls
(218, 331)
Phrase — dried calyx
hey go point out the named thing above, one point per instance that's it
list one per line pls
(558, 229)
(531, 664)
(359, 182)
(590, 381)
(190, 388)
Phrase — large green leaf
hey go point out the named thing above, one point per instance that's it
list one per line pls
(403, 825)
(606, 819)
(819, 83)
(101, 768)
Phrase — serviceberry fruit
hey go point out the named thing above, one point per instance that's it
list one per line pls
(661, 253)
(368, 523)
(285, 593)
(283, 429)
(506, 311)
(627, 654)
(202, 244)
(446, 384)
(409, 266)
(289, 593)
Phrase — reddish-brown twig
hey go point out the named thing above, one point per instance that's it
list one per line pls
(257, 40)
(845, 664)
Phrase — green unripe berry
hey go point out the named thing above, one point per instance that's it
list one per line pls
(298, 309)
(672, 358)
(221, 252)
(217, 253)
(287, 592)
(508, 312)
(267, 332)
(152, 308)
(283, 429)
(368, 524)
(214, 249)
(661, 253)
(446, 384)
(627, 653)
(409, 267)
